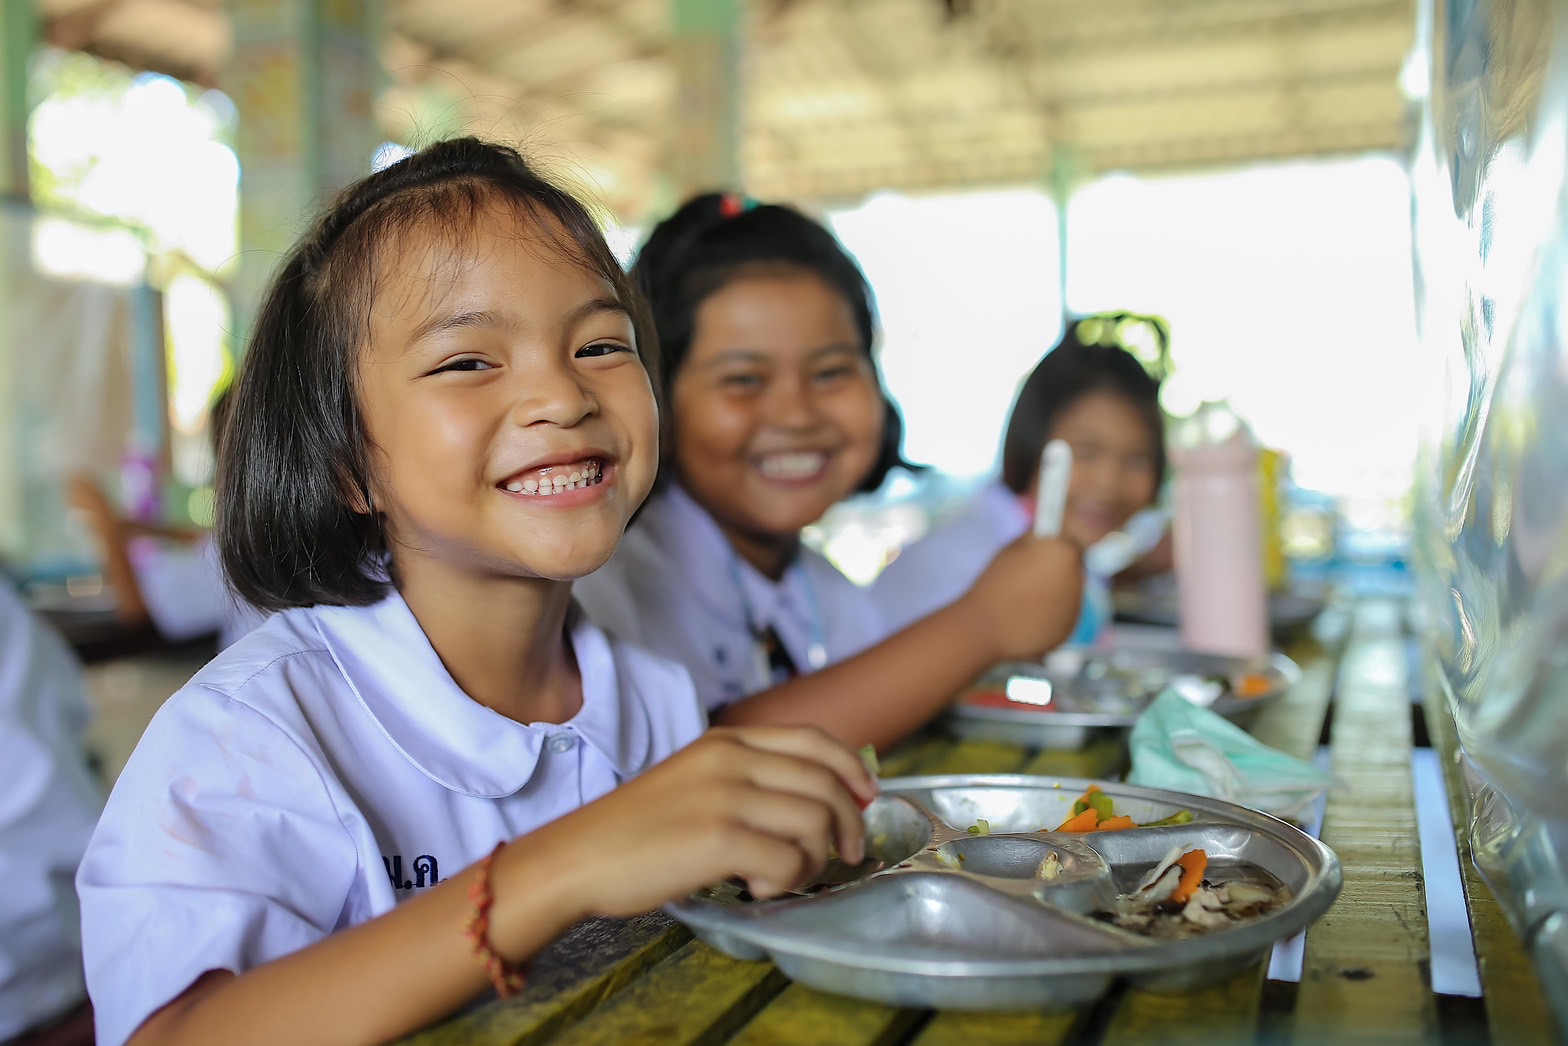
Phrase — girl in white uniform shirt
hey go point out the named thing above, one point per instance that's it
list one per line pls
(1101, 401)
(48, 804)
(443, 417)
(766, 328)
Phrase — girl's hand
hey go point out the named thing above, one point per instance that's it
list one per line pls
(763, 803)
(1028, 599)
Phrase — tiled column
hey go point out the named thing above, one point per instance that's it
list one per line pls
(304, 77)
(18, 37)
(707, 96)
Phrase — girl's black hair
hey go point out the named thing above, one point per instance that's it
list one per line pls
(1069, 371)
(717, 238)
(296, 522)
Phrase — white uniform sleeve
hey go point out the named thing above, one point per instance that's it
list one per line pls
(47, 808)
(220, 849)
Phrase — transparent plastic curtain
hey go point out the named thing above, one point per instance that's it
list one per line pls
(1490, 178)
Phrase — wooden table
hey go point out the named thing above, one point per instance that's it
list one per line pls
(1365, 975)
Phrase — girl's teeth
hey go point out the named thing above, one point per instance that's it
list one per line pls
(557, 482)
(792, 466)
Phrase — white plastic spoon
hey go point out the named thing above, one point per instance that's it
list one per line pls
(1050, 496)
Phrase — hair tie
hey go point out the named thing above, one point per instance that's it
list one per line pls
(733, 205)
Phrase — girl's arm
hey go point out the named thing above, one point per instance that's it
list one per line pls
(760, 804)
(1025, 603)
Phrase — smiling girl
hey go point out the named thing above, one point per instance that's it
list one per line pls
(1105, 405)
(400, 787)
(766, 328)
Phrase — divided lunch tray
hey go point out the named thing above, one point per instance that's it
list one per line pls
(1078, 691)
(939, 917)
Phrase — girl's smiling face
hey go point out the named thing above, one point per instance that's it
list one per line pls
(1113, 464)
(513, 426)
(777, 411)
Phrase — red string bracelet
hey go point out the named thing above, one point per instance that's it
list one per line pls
(507, 978)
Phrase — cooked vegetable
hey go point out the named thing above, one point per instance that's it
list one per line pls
(1253, 684)
(868, 756)
(1083, 821)
(1082, 802)
(1116, 824)
(1051, 867)
(1180, 817)
(1193, 863)
(980, 827)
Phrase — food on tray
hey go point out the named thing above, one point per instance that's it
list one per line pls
(980, 827)
(1106, 685)
(1094, 811)
(868, 756)
(1051, 867)
(1175, 901)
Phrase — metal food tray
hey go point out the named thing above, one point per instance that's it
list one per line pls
(907, 929)
(1091, 691)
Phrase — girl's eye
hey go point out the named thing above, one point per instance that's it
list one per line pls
(744, 382)
(601, 348)
(835, 373)
(463, 366)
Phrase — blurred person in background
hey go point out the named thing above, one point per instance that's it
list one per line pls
(48, 806)
(169, 576)
(1105, 405)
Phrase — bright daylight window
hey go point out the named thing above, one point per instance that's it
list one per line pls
(137, 180)
(1288, 290)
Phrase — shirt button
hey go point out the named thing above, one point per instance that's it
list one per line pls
(562, 743)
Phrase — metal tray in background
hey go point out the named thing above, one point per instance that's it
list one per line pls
(1078, 693)
(909, 928)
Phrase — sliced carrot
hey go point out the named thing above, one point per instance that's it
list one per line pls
(1120, 822)
(1081, 822)
(1253, 684)
(1193, 865)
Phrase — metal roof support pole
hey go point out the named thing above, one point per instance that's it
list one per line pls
(705, 149)
(1065, 174)
(304, 77)
(18, 38)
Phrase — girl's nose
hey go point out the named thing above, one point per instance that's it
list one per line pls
(792, 404)
(553, 395)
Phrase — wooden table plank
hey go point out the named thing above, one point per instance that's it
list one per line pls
(1516, 1008)
(588, 965)
(1224, 1012)
(956, 1028)
(1095, 761)
(697, 996)
(804, 1015)
(1367, 966)
(972, 756)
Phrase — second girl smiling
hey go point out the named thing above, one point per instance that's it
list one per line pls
(776, 413)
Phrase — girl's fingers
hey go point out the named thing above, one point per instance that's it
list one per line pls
(815, 783)
(804, 824)
(809, 743)
(768, 864)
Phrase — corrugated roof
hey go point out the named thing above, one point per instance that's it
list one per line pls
(843, 97)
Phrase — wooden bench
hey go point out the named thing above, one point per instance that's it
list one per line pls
(1365, 975)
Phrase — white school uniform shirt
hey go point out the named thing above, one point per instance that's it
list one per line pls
(323, 770)
(677, 588)
(48, 804)
(940, 567)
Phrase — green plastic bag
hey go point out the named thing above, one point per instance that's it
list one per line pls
(1178, 746)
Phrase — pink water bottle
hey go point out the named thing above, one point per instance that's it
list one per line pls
(1222, 592)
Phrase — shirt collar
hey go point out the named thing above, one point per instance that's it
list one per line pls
(695, 533)
(457, 742)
